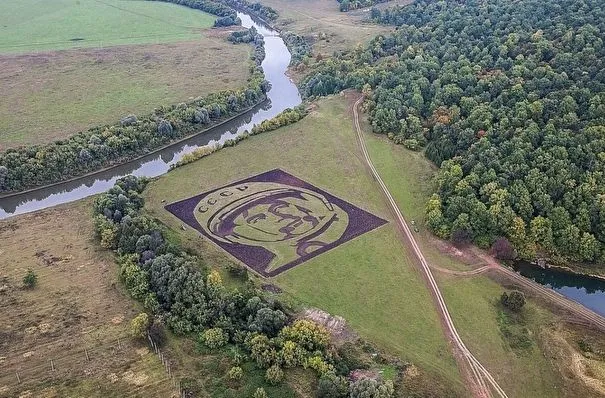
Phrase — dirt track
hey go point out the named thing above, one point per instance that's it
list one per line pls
(479, 381)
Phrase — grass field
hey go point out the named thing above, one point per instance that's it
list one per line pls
(50, 96)
(41, 25)
(320, 20)
(77, 309)
(368, 280)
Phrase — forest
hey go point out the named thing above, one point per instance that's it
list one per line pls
(508, 99)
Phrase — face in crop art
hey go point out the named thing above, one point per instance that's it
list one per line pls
(273, 221)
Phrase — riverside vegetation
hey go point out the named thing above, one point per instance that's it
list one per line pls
(133, 136)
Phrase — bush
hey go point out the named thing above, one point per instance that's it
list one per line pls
(274, 375)
(235, 373)
(139, 325)
(30, 280)
(214, 338)
(514, 300)
(502, 249)
(260, 393)
(368, 388)
(332, 386)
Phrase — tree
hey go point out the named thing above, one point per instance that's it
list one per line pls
(274, 375)
(214, 338)
(235, 373)
(514, 300)
(503, 250)
(139, 325)
(267, 321)
(260, 393)
(30, 280)
(307, 334)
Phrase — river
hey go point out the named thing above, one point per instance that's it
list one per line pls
(587, 291)
(283, 94)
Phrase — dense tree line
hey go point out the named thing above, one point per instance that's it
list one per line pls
(178, 288)
(258, 10)
(349, 5)
(286, 117)
(300, 47)
(102, 146)
(227, 16)
(509, 98)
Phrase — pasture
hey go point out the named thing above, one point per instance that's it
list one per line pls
(41, 25)
(77, 316)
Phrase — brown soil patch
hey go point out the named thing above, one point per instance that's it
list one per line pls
(76, 310)
(582, 371)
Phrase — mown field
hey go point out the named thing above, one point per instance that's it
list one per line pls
(77, 316)
(41, 25)
(50, 96)
(146, 54)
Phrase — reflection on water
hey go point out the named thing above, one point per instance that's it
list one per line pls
(283, 94)
(585, 290)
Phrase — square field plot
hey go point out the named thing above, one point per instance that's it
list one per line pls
(273, 221)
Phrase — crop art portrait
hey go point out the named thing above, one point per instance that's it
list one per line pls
(273, 221)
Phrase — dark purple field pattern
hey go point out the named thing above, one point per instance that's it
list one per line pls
(273, 221)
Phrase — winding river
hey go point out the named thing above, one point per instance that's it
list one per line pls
(283, 94)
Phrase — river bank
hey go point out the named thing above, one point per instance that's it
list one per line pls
(283, 94)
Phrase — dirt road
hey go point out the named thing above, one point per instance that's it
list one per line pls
(480, 382)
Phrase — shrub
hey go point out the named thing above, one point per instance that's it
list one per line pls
(139, 325)
(514, 300)
(332, 386)
(502, 249)
(214, 338)
(30, 280)
(235, 373)
(274, 375)
(372, 389)
(260, 393)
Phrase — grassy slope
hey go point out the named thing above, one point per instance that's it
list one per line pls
(471, 301)
(369, 280)
(51, 96)
(36, 25)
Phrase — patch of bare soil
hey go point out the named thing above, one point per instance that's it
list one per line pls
(582, 370)
(336, 325)
(72, 326)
